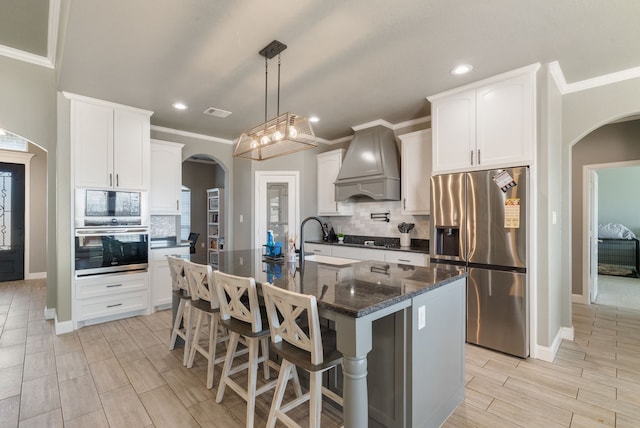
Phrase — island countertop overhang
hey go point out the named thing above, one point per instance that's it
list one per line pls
(356, 289)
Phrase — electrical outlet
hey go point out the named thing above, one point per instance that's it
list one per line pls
(422, 318)
(241, 218)
(202, 245)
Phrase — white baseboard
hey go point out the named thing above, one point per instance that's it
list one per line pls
(49, 313)
(63, 327)
(548, 353)
(36, 275)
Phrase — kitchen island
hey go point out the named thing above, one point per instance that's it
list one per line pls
(426, 307)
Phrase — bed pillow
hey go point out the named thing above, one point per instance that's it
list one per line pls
(614, 231)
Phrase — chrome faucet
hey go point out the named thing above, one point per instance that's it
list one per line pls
(325, 234)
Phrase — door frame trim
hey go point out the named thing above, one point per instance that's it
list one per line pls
(260, 176)
(586, 204)
(24, 158)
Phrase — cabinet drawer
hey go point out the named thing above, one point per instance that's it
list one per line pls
(358, 253)
(415, 259)
(111, 285)
(325, 250)
(111, 305)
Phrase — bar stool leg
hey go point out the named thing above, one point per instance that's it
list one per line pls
(278, 395)
(226, 369)
(213, 341)
(195, 340)
(265, 353)
(315, 392)
(254, 349)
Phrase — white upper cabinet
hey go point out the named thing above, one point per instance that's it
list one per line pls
(166, 178)
(416, 172)
(489, 124)
(329, 164)
(110, 145)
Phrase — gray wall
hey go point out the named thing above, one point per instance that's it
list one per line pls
(28, 109)
(616, 142)
(619, 197)
(552, 299)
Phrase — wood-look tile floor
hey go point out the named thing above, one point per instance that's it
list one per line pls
(121, 374)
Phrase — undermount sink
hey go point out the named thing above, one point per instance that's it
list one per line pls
(337, 261)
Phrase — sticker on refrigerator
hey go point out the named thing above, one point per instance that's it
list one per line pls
(504, 181)
(512, 213)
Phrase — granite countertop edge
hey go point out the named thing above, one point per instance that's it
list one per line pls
(390, 302)
(419, 250)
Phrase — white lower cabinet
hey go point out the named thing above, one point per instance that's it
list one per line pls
(108, 297)
(378, 255)
(161, 289)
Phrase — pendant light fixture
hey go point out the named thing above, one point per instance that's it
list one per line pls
(286, 133)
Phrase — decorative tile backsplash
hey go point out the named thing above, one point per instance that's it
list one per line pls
(163, 226)
(361, 223)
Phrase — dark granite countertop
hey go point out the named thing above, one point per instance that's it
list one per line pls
(417, 245)
(354, 289)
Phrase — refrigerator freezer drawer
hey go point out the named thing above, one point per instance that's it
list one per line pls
(497, 311)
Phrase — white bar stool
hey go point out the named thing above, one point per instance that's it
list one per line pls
(306, 348)
(234, 292)
(204, 302)
(182, 325)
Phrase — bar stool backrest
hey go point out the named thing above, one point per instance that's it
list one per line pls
(201, 283)
(234, 292)
(284, 309)
(176, 270)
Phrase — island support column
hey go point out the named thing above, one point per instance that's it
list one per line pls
(353, 337)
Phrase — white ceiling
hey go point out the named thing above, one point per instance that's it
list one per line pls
(348, 62)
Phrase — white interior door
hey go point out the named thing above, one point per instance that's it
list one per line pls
(593, 235)
(277, 207)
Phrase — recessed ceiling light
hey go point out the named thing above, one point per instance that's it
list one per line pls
(314, 119)
(179, 106)
(461, 69)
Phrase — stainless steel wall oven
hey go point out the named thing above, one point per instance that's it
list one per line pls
(108, 250)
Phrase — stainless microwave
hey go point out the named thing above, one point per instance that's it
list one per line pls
(110, 208)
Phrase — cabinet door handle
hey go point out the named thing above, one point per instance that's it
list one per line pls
(404, 203)
(478, 156)
(113, 306)
(110, 180)
(178, 205)
(117, 180)
(471, 157)
(114, 285)
(404, 260)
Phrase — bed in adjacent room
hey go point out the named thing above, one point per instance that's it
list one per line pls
(618, 251)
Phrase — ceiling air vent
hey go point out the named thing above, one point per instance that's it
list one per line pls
(212, 111)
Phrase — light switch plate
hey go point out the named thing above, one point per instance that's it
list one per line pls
(421, 317)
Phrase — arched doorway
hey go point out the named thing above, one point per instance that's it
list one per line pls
(23, 253)
(199, 173)
(611, 146)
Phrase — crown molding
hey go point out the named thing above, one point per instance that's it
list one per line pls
(190, 134)
(595, 82)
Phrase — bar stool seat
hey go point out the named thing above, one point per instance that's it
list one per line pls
(297, 338)
(240, 314)
(183, 320)
(204, 302)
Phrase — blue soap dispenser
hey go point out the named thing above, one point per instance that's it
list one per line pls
(271, 245)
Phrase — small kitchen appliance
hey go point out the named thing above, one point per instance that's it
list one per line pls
(480, 221)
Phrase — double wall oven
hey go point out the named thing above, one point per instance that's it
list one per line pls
(111, 232)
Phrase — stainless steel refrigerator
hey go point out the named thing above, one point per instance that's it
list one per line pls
(479, 220)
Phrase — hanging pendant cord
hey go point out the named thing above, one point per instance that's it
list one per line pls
(266, 81)
(278, 86)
